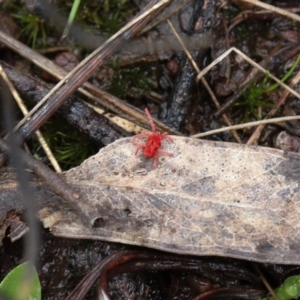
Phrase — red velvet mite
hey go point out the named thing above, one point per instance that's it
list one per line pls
(153, 142)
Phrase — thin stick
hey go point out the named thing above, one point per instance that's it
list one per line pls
(279, 103)
(24, 110)
(96, 53)
(250, 61)
(103, 98)
(203, 80)
(186, 51)
(153, 25)
(274, 9)
(265, 282)
(245, 125)
(77, 200)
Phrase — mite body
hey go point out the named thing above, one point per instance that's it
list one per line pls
(153, 142)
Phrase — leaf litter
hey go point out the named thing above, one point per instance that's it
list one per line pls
(210, 198)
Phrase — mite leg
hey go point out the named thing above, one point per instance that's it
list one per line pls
(139, 146)
(155, 157)
(165, 152)
(165, 136)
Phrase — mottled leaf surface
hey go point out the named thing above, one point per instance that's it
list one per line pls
(211, 198)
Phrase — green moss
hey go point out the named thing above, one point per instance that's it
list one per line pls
(34, 28)
(104, 17)
(69, 148)
(126, 78)
(252, 100)
(255, 98)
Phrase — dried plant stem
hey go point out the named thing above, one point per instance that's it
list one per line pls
(245, 125)
(77, 200)
(153, 25)
(287, 88)
(274, 9)
(250, 61)
(265, 282)
(103, 98)
(280, 102)
(24, 110)
(203, 80)
(77, 77)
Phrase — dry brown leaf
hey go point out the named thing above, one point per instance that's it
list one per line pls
(211, 198)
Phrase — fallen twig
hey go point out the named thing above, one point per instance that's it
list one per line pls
(76, 200)
(245, 125)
